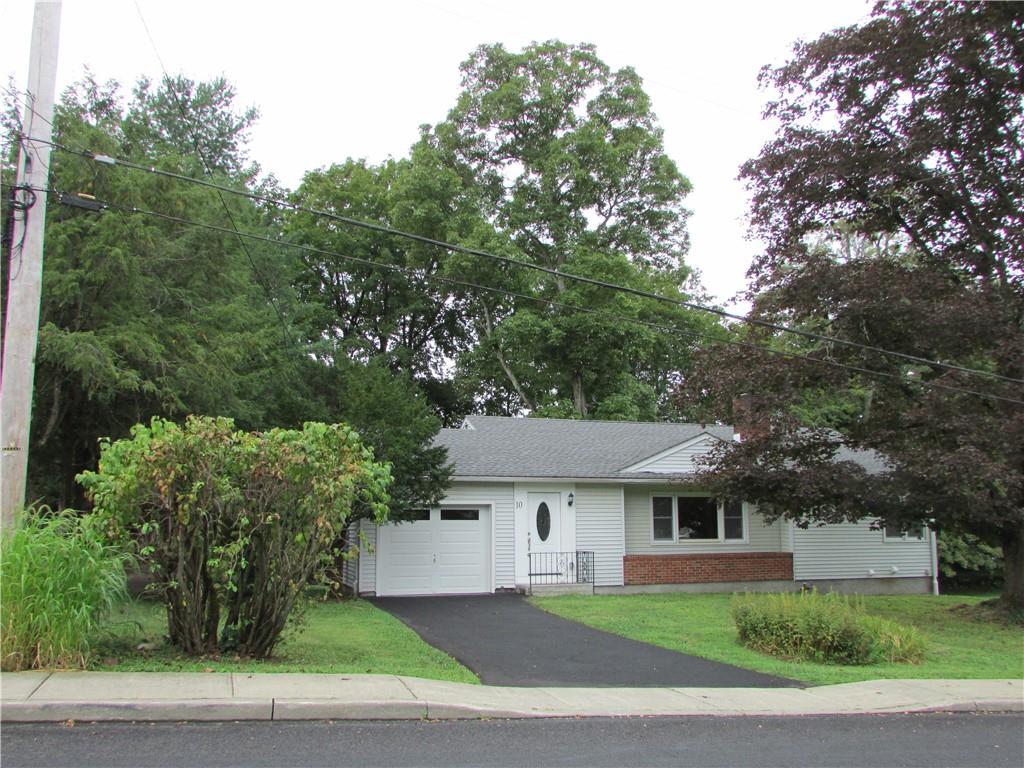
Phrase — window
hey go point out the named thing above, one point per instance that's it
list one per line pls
(732, 514)
(696, 518)
(543, 521)
(460, 514)
(904, 533)
(415, 515)
(662, 521)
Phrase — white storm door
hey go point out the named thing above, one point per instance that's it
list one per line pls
(544, 520)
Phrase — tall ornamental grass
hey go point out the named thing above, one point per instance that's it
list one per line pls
(826, 628)
(58, 577)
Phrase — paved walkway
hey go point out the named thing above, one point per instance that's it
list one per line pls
(88, 696)
(507, 641)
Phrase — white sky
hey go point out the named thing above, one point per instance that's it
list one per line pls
(340, 79)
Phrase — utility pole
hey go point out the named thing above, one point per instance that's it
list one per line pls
(26, 262)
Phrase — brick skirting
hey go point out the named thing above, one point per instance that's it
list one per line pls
(707, 567)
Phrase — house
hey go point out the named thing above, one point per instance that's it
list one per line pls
(609, 507)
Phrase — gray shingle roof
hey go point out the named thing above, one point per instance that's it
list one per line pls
(498, 446)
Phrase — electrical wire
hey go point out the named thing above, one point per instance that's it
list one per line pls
(103, 205)
(108, 160)
(452, 247)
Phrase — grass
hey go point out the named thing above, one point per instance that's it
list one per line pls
(348, 637)
(58, 577)
(960, 642)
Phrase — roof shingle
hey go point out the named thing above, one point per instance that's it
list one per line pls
(499, 446)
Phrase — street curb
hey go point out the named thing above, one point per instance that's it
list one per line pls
(198, 710)
(212, 710)
(330, 709)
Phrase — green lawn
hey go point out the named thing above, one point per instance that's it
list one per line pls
(701, 624)
(348, 637)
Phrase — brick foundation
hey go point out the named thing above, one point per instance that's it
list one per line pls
(707, 567)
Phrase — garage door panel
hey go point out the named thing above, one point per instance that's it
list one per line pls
(465, 559)
(448, 538)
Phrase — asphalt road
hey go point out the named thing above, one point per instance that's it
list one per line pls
(932, 740)
(507, 641)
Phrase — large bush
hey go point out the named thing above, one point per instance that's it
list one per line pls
(967, 562)
(58, 577)
(234, 524)
(828, 628)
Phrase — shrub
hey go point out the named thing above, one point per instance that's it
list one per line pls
(967, 562)
(829, 628)
(234, 524)
(58, 577)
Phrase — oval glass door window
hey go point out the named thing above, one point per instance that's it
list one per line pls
(543, 521)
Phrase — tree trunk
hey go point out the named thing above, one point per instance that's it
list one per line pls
(488, 329)
(579, 395)
(1013, 568)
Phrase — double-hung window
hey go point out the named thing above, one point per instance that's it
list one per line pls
(676, 518)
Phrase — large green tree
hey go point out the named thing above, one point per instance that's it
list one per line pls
(564, 157)
(143, 317)
(900, 136)
(139, 316)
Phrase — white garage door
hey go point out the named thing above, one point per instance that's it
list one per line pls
(444, 552)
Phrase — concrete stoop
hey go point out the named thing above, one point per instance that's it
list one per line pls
(113, 696)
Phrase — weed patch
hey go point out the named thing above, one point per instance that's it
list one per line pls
(828, 629)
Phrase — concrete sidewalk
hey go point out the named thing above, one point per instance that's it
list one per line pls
(88, 696)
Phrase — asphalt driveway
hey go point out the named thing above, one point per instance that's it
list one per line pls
(507, 641)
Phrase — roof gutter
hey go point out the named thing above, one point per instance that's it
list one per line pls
(667, 479)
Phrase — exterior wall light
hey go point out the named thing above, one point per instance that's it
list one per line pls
(572, 497)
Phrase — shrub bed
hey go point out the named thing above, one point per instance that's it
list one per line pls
(829, 629)
(58, 577)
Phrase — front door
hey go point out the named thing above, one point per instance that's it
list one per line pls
(544, 511)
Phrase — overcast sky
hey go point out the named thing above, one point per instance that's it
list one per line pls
(340, 79)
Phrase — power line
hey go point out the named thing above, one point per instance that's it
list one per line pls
(383, 229)
(96, 205)
(109, 160)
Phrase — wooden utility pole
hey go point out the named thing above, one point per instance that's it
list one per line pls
(26, 261)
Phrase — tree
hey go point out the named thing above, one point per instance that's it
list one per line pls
(900, 136)
(143, 317)
(565, 159)
(393, 416)
(370, 295)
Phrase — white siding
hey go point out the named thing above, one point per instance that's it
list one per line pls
(500, 498)
(368, 557)
(679, 460)
(853, 550)
(350, 566)
(761, 537)
(599, 529)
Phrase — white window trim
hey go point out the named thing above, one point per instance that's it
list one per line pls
(904, 538)
(675, 540)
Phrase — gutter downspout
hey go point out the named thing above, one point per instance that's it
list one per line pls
(935, 559)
